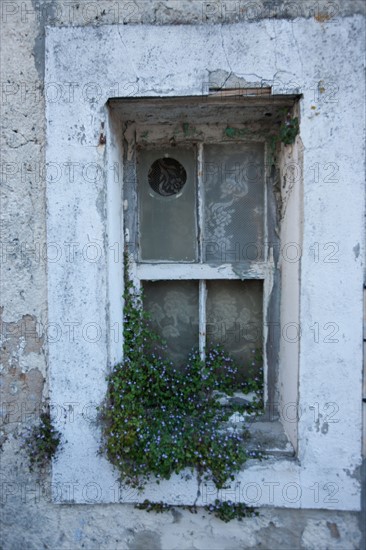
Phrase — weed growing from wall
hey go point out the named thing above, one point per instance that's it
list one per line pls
(42, 441)
(289, 130)
(286, 134)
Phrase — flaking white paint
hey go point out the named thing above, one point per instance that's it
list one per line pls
(175, 61)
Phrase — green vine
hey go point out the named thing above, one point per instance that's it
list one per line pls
(42, 441)
(226, 511)
(159, 420)
(157, 507)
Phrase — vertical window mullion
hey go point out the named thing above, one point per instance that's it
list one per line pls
(202, 318)
(202, 283)
(265, 217)
(200, 203)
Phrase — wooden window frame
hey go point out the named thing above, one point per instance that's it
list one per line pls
(142, 270)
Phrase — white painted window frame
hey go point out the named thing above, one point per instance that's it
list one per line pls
(162, 61)
(142, 270)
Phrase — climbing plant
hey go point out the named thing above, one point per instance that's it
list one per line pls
(159, 420)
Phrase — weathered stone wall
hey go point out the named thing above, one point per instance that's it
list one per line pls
(28, 517)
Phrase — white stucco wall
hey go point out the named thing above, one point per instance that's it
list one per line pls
(176, 61)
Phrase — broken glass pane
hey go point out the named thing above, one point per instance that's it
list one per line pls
(167, 196)
(233, 182)
(234, 319)
(173, 307)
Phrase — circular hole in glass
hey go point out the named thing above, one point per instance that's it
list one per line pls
(167, 177)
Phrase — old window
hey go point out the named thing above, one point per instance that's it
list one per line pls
(200, 217)
(88, 136)
(199, 225)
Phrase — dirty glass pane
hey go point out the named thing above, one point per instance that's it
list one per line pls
(234, 318)
(233, 182)
(167, 204)
(173, 306)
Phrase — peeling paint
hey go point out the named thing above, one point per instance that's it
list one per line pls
(334, 531)
(23, 336)
(21, 398)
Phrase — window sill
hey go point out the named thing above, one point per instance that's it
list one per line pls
(270, 439)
